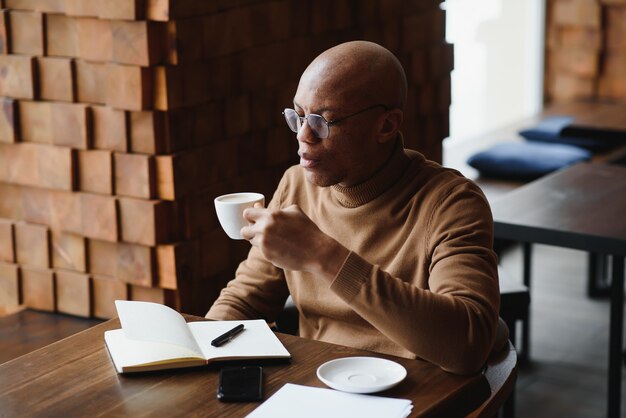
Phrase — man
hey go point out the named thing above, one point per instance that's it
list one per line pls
(380, 248)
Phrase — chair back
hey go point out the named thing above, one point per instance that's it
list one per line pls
(501, 373)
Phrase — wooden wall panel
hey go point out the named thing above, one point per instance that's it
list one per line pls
(95, 168)
(95, 40)
(27, 33)
(103, 258)
(122, 9)
(61, 36)
(57, 123)
(11, 206)
(135, 175)
(147, 132)
(154, 294)
(65, 211)
(147, 222)
(83, 8)
(57, 79)
(35, 122)
(91, 78)
(35, 205)
(585, 51)
(73, 292)
(8, 120)
(105, 292)
(17, 76)
(69, 251)
(99, 215)
(56, 167)
(138, 43)
(9, 287)
(110, 128)
(7, 241)
(32, 245)
(51, 6)
(129, 87)
(136, 264)
(38, 290)
(5, 47)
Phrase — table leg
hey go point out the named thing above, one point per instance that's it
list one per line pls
(527, 249)
(597, 275)
(615, 336)
(527, 262)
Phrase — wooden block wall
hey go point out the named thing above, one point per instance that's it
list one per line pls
(123, 119)
(586, 50)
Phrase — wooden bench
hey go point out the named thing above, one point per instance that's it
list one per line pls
(456, 150)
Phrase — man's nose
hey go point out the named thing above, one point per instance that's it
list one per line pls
(306, 134)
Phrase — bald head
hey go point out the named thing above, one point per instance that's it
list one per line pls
(358, 71)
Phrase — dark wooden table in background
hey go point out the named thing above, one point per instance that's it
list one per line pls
(581, 207)
(594, 116)
(27, 330)
(75, 377)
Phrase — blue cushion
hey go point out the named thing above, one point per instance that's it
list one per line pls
(525, 160)
(559, 129)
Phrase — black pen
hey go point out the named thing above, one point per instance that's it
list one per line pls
(227, 336)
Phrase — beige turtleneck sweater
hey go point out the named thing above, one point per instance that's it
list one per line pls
(420, 281)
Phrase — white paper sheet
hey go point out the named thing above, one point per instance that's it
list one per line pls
(310, 402)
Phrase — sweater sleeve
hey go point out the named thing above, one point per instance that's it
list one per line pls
(259, 289)
(451, 323)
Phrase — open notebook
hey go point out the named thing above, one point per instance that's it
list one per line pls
(155, 337)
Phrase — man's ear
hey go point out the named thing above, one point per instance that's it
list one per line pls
(390, 125)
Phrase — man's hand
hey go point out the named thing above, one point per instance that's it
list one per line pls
(290, 240)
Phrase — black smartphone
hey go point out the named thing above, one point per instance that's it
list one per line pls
(240, 384)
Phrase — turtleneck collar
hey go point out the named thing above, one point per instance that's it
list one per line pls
(382, 180)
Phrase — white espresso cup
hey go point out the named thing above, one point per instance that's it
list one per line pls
(230, 207)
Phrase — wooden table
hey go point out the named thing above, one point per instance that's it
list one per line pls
(581, 207)
(75, 377)
(594, 117)
(27, 330)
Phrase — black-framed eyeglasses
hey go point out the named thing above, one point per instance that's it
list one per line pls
(317, 123)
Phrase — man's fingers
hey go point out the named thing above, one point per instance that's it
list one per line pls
(247, 233)
(254, 217)
(253, 214)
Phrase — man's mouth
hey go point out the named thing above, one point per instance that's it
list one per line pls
(307, 161)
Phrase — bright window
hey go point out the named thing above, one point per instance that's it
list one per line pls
(498, 54)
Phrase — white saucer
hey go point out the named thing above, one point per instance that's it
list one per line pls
(361, 374)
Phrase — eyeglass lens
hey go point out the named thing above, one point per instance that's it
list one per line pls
(318, 125)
